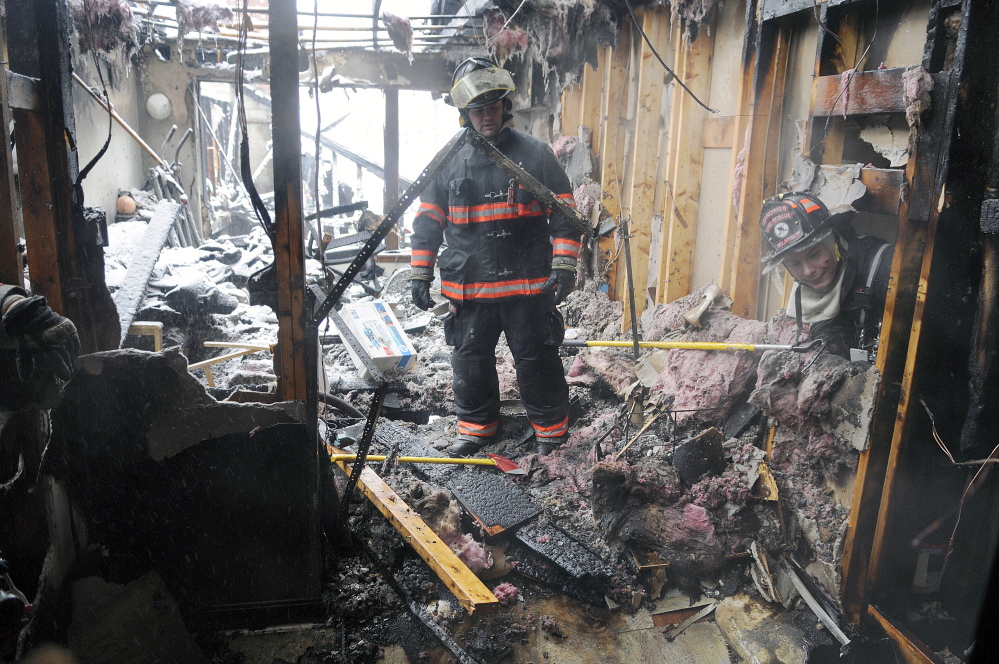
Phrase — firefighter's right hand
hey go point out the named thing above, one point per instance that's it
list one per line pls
(45, 340)
(421, 294)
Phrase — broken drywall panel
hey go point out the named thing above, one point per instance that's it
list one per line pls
(906, 48)
(851, 408)
(888, 142)
(838, 186)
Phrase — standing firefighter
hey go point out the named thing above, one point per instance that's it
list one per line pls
(841, 278)
(508, 262)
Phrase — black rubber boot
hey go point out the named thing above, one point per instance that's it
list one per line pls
(545, 446)
(465, 445)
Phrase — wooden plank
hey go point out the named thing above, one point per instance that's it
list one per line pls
(740, 137)
(718, 132)
(11, 266)
(589, 103)
(640, 196)
(571, 97)
(612, 120)
(760, 168)
(911, 649)
(289, 246)
(683, 192)
(65, 268)
(869, 92)
(610, 147)
(470, 592)
(133, 287)
(23, 92)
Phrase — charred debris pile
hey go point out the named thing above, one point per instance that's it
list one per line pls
(712, 471)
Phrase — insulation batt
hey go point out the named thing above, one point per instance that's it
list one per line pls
(706, 384)
(504, 42)
(104, 26)
(441, 512)
(614, 368)
(917, 84)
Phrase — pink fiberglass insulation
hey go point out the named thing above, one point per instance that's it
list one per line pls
(564, 146)
(506, 593)
(584, 200)
(441, 512)
(705, 384)
(477, 558)
(593, 314)
(917, 84)
(504, 41)
(581, 374)
(713, 491)
(615, 368)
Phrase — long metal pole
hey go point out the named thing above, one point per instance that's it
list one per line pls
(626, 236)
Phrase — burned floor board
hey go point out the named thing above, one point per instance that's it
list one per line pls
(494, 501)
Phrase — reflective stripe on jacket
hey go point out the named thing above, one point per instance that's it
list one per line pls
(499, 238)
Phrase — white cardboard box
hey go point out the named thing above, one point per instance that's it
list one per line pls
(378, 331)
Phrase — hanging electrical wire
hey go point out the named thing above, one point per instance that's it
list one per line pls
(81, 176)
(316, 197)
(263, 216)
(663, 62)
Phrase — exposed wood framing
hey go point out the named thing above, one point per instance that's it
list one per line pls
(571, 98)
(640, 195)
(613, 83)
(11, 267)
(686, 158)
(589, 103)
(911, 649)
(760, 166)
(470, 592)
(391, 159)
(289, 246)
(64, 252)
(740, 135)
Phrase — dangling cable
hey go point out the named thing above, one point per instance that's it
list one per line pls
(263, 216)
(662, 62)
(100, 153)
(319, 130)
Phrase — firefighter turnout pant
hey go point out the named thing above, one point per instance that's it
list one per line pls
(534, 331)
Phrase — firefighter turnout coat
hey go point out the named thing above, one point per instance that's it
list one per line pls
(500, 240)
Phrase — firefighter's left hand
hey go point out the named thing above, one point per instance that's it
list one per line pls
(45, 340)
(561, 283)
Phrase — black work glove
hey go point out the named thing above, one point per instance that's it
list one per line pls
(561, 283)
(45, 340)
(421, 294)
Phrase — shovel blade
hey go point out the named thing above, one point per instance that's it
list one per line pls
(506, 465)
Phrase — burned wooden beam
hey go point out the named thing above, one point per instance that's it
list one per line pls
(868, 92)
(11, 266)
(63, 239)
(291, 366)
(133, 288)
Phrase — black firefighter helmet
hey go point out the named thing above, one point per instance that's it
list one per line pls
(795, 222)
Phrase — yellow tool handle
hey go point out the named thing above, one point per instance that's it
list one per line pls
(381, 457)
(685, 345)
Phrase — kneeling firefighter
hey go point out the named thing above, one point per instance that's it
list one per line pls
(507, 263)
(841, 278)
